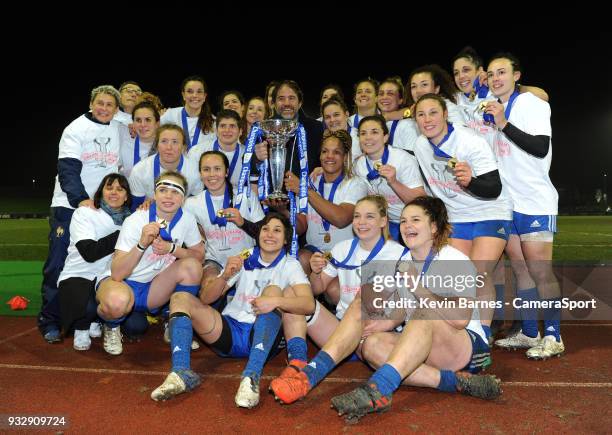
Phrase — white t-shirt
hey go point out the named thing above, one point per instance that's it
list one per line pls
(451, 262)
(150, 264)
(174, 116)
(406, 134)
(87, 224)
(123, 117)
(455, 113)
(350, 280)
(526, 176)
(349, 191)
(251, 283)
(142, 181)
(126, 154)
(96, 146)
(224, 242)
(196, 152)
(407, 173)
(355, 146)
(466, 146)
(474, 117)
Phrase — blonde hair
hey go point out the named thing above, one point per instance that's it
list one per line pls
(108, 90)
(381, 204)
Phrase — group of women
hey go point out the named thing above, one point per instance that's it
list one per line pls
(415, 178)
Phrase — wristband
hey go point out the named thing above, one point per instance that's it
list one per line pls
(172, 249)
(140, 248)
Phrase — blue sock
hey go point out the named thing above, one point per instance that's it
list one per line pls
(448, 381)
(499, 298)
(193, 289)
(552, 320)
(115, 322)
(487, 331)
(265, 330)
(181, 335)
(387, 379)
(318, 368)
(529, 315)
(297, 349)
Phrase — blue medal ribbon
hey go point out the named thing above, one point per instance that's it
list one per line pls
(510, 104)
(253, 263)
(157, 166)
(212, 213)
(436, 148)
(332, 193)
(356, 121)
(165, 233)
(217, 147)
(343, 264)
(392, 131)
(373, 173)
(196, 133)
(428, 261)
(136, 150)
(481, 90)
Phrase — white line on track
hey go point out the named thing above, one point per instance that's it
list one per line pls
(4, 340)
(332, 379)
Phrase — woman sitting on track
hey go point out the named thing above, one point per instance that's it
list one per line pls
(250, 323)
(150, 260)
(93, 235)
(435, 343)
(439, 347)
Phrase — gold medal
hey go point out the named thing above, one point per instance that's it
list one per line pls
(163, 224)
(407, 113)
(482, 106)
(244, 254)
(327, 238)
(222, 214)
(452, 162)
(327, 255)
(377, 165)
(472, 95)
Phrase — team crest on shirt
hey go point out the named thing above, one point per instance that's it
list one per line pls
(444, 178)
(59, 232)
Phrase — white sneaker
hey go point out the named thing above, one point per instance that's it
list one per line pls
(194, 343)
(112, 340)
(172, 386)
(518, 341)
(95, 330)
(547, 348)
(82, 341)
(248, 394)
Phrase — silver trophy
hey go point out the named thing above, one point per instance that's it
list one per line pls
(278, 132)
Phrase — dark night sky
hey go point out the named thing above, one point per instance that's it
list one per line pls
(574, 70)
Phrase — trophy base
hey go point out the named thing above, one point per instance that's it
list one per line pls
(278, 196)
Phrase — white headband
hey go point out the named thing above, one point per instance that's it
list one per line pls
(170, 184)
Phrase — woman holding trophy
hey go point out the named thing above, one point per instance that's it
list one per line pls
(332, 197)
